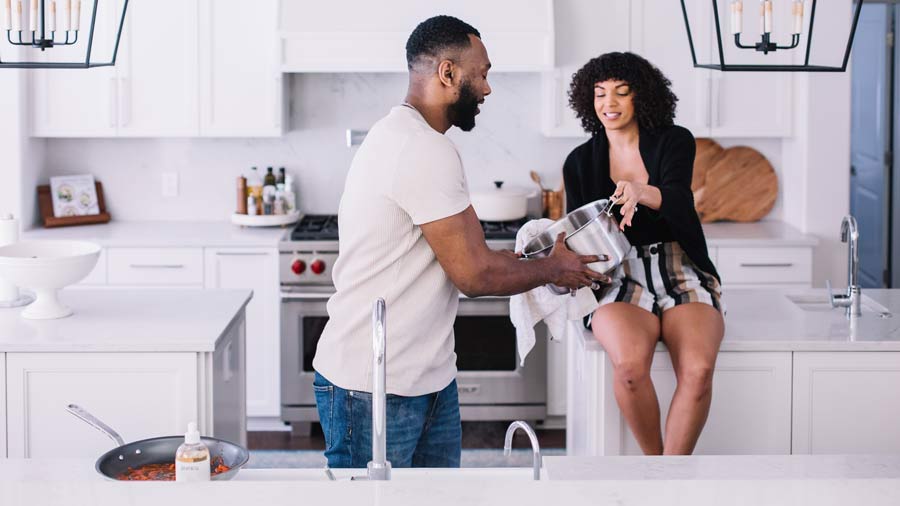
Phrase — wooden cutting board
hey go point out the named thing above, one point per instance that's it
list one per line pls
(740, 186)
(708, 153)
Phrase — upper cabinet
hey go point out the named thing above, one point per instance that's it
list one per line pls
(184, 69)
(241, 91)
(360, 36)
(710, 103)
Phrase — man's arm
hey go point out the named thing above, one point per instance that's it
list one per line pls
(458, 242)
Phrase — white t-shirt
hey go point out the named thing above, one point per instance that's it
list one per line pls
(405, 174)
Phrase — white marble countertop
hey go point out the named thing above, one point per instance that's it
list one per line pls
(32, 481)
(127, 321)
(768, 320)
(756, 235)
(724, 467)
(165, 234)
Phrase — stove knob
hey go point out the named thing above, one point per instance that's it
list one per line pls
(299, 267)
(318, 266)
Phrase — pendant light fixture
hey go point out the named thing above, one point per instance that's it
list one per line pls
(765, 42)
(53, 24)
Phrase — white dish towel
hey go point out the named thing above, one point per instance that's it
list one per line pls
(529, 308)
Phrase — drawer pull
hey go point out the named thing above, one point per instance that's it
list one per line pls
(787, 264)
(157, 266)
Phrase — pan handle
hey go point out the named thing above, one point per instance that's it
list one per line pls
(94, 422)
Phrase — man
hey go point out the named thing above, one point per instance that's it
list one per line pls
(409, 235)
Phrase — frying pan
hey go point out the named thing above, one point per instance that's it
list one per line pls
(157, 450)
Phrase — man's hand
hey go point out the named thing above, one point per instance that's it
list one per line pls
(570, 269)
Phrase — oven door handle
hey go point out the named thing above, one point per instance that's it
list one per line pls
(285, 296)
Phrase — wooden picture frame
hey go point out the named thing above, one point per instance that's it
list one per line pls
(45, 203)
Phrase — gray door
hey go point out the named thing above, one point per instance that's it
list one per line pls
(870, 140)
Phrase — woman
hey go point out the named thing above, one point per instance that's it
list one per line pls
(667, 288)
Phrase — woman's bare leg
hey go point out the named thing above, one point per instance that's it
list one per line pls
(629, 335)
(692, 333)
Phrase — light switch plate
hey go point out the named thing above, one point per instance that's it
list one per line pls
(170, 184)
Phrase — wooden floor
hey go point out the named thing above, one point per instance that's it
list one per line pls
(476, 435)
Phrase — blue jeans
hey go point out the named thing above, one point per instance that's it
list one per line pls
(422, 431)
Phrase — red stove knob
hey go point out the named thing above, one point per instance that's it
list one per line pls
(299, 267)
(318, 266)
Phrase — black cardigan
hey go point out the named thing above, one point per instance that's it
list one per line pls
(668, 155)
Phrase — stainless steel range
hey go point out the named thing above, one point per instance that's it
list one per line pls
(492, 385)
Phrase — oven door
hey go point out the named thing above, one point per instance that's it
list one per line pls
(303, 318)
(492, 385)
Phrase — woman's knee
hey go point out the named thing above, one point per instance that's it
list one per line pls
(632, 372)
(697, 376)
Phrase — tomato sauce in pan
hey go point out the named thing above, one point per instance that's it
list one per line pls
(166, 471)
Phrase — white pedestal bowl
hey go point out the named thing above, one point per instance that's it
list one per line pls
(45, 266)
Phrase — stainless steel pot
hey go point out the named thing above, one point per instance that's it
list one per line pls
(158, 450)
(590, 230)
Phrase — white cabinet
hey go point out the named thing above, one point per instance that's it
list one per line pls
(846, 402)
(658, 34)
(556, 378)
(140, 395)
(710, 103)
(84, 102)
(2, 405)
(577, 41)
(226, 371)
(241, 91)
(364, 36)
(752, 267)
(157, 70)
(255, 269)
(155, 266)
(185, 68)
(750, 413)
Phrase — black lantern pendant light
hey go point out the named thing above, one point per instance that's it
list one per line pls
(766, 45)
(51, 24)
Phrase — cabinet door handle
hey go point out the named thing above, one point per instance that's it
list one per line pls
(227, 370)
(776, 264)
(468, 389)
(241, 253)
(113, 101)
(157, 266)
(125, 102)
(716, 99)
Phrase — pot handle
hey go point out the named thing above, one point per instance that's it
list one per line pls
(95, 422)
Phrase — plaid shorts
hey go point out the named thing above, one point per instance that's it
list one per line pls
(658, 277)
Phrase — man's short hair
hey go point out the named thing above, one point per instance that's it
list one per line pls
(436, 35)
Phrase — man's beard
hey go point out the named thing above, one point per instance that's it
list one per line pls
(462, 112)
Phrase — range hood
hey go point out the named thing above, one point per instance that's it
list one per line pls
(366, 36)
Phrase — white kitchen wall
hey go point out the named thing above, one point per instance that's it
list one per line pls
(505, 145)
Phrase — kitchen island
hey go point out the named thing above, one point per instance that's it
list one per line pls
(793, 376)
(146, 362)
(750, 480)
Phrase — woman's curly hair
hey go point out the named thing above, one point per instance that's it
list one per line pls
(654, 102)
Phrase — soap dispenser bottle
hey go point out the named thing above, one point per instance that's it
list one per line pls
(192, 457)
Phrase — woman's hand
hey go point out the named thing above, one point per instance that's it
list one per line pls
(629, 194)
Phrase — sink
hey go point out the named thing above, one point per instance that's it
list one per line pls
(45, 266)
(819, 303)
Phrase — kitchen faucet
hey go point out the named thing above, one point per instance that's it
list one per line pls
(379, 467)
(535, 446)
(853, 298)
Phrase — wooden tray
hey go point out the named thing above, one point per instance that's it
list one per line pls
(45, 202)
